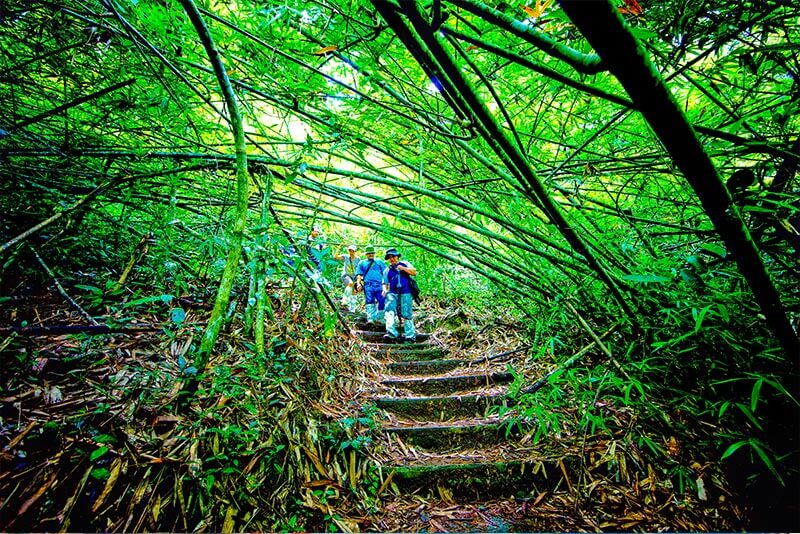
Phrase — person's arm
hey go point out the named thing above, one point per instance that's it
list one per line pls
(407, 268)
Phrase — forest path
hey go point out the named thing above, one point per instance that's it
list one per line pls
(450, 450)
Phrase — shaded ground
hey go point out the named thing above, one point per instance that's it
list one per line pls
(89, 441)
(599, 481)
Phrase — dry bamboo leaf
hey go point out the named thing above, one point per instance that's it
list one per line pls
(181, 500)
(251, 464)
(437, 526)
(138, 494)
(155, 510)
(564, 472)
(321, 482)
(445, 494)
(35, 497)
(112, 479)
(352, 469)
(315, 460)
(539, 498)
(228, 523)
(347, 525)
(13, 443)
(386, 482)
(65, 512)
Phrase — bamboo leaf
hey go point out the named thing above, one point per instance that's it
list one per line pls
(98, 453)
(116, 467)
(755, 394)
(733, 448)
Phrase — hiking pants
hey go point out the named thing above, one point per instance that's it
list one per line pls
(391, 310)
(373, 298)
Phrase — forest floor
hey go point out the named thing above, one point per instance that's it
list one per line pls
(597, 481)
(88, 441)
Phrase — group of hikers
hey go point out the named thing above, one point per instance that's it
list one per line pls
(386, 288)
(386, 284)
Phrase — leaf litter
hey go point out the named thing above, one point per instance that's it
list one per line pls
(89, 442)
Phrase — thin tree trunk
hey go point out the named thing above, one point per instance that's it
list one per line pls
(262, 305)
(237, 226)
(602, 25)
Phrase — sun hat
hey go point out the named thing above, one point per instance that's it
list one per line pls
(370, 249)
(352, 247)
(391, 252)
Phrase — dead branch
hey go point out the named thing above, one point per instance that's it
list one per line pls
(596, 339)
(92, 330)
(539, 384)
(61, 290)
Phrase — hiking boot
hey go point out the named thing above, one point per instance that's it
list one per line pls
(409, 340)
(389, 337)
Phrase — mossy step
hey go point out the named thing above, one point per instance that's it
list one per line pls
(377, 336)
(448, 384)
(440, 408)
(429, 367)
(441, 437)
(479, 481)
(362, 326)
(402, 355)
(403, 346)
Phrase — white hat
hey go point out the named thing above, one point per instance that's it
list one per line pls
(352, 247)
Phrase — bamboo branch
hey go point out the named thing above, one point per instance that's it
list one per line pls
(134, 257)
(539, 384)
(596, 339)
(72, 104)
(61, 290)
(95, 192)
(583, 63)
(90, 330)
(425, 44)
(486, 359)
(236, 230)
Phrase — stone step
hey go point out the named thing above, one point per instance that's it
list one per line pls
(405, 346)
(361, 325)
(429, 367)
(479, 481)
(440, 408)
(446, 437)
(448, 384)
(405, 355)
(377, 336)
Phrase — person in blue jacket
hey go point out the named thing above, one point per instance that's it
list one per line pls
(398, 296)
(369, 277)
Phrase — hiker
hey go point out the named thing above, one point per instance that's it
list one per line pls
(369, 278)
(315, 244)
(398, 296)
(349, 265)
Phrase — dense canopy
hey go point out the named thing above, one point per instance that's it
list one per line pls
(629, 162)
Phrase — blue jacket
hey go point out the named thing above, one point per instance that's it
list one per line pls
(375, 273)
(398, 282)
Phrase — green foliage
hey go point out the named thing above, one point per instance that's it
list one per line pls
(345, 129)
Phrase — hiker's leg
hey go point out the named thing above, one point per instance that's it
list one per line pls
(406, 312)
(390, 314)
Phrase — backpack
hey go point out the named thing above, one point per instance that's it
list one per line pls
(414, 288)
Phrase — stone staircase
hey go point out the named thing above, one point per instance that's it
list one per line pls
(441, 436)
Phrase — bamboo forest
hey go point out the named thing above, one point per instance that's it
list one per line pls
(399, 265)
